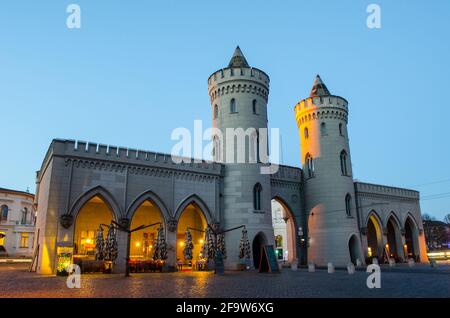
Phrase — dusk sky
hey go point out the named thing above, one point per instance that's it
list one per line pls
(138, 69)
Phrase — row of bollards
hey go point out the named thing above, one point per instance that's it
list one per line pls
(350, 266)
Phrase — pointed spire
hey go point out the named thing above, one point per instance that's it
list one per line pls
(238, 59)
(319, 88)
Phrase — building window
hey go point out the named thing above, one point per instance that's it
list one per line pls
(216, 149)
(309, 162)
(323, 129)
(341, 132)
(24, 238)
(257, 196)
(344, 169)
(348, 205)
(233, 106)
(306, 132)
(216, 111)
(24, 216)
(4, 213)
(254, 107)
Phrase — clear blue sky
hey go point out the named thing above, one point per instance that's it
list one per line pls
(138, 69)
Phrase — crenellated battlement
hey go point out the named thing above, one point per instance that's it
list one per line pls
(376, 189)
(312, 103)
(238, 80)
(123, 155)
(288, 173)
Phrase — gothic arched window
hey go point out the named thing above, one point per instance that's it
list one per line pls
(348, 205)
(233, 106)
(306, 132)
(309, 163)
(323, 129)
(254, 106)
(341, 132)
(216, 111)
(257, 196)
(344, 169)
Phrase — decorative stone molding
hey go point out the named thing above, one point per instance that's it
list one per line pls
(364, 230)
(172, 225)
(403, 232)
(66, 220)
(385, 231)
(125, 222)
(216, 226)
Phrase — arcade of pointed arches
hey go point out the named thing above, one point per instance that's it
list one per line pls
(391, 238)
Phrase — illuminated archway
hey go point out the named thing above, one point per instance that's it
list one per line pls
(142, 242)
(192, 217)
(374, 237)
(411, 239)
(393, 238)
(94, 212)
(284, 230)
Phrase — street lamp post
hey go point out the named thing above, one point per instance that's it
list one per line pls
(218, 255)
(129, 231)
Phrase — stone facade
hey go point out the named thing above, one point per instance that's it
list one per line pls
(320, 230)
(17, 220)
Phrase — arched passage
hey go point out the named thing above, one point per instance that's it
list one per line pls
(143, 241)
(354, 247)
(393, 245)
(374, 237)
(411, 239)
(192, 217)
(92, 214)
(258, 242)
(284, 230)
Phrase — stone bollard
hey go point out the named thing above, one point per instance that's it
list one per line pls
(330, 268)
(311, 267)
(391, 262)
(294, 265)
(358, 262)
(375, 260)
(350, 268)
(410, 262)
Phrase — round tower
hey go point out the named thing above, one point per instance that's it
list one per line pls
(239, 95)
(333, 234)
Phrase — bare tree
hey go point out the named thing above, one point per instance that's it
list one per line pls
(447, 219)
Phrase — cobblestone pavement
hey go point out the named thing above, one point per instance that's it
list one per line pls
(16, 281)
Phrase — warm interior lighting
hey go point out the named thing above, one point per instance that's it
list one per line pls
(201, 241)
(369, 251)
(181, 243)
(138, 244)
(88, 241)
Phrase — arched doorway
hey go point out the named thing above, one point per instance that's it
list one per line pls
(258, 242)
(194, 218)
(93, 213)
(411, 240)
(143, 241)
(374, 238)
(393, 239)
(354, 249)
(284, 230)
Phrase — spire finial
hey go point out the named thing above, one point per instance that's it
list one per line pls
(319, 88)
(238, 59)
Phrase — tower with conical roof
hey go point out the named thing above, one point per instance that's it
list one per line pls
(239, 95)
(333, 234)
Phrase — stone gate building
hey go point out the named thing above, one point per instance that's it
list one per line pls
(328, 217)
